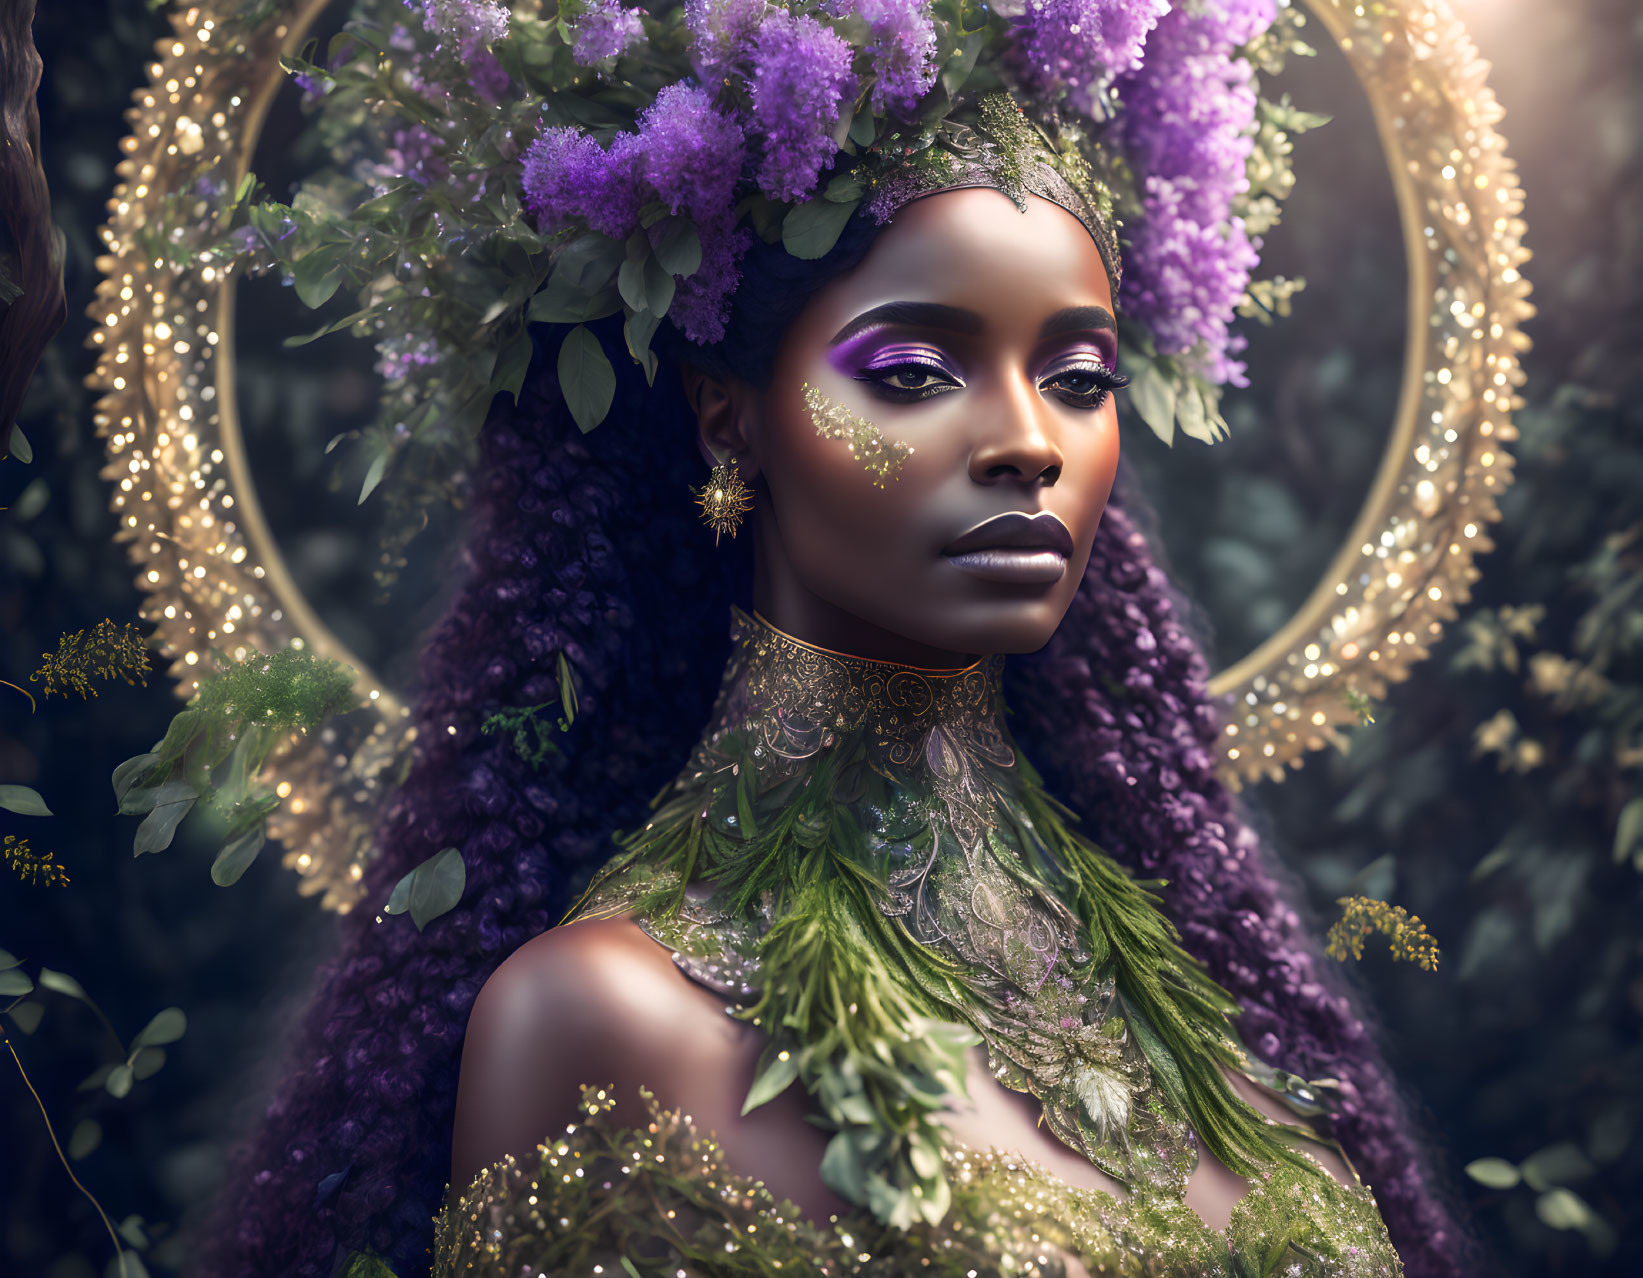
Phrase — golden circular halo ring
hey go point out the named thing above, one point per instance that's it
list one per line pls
(213, 574)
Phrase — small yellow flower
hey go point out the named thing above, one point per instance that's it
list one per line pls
(106, 652)
(1410, 941)
(29, 866)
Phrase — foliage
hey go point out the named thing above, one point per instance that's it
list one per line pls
(239, 714)
(1361, 917)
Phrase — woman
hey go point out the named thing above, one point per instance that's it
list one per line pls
(976, 914)
(983, 337)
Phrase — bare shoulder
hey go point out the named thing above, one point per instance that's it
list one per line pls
(592, 1002)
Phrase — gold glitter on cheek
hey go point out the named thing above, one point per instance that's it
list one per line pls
(880, 458)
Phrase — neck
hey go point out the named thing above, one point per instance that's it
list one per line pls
(800, 698)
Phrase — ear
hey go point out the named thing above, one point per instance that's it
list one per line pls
(722, 408)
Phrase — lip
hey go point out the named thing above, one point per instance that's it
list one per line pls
(1015, 530)
(1017, 566)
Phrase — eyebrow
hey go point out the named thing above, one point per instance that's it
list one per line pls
(958, 320)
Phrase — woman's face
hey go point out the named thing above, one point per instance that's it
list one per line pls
(982, 337)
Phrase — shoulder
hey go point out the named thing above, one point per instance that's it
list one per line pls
(583, 974)
(591, 1002)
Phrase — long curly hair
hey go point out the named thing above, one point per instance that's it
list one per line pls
(569, 537)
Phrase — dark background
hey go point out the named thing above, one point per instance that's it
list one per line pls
(1499, 832)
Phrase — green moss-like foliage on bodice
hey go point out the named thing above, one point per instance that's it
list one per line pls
(660, 1200)
(858, 859)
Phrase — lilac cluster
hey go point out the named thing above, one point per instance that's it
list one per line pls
(604, 29)
(1188, 125)
(1075, 46)
(903, 50)
(399, 354)
(722, 34)
(687, 153)
(466, 29)
(801, 78)
(464, 24)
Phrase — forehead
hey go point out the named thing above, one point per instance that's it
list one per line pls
(974, 247)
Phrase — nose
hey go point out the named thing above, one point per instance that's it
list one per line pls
(1017, 446)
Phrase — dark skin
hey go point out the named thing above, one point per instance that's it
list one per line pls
(1000, 396)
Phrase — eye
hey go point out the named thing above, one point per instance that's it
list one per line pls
(1086, 385)
(909, 380)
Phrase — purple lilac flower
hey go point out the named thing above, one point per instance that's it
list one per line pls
(801, 75)
(399, 354)
(487, 76)
(415, 154)
(462, 25)
(1188, 125)
(701, 302)
(722, 34)
(1078, 45)
(567, 177)
(903, 50)
(693, 151)
(604, 29)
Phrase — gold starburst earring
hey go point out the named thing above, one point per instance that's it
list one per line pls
(724, 499)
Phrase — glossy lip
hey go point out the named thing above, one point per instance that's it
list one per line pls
(1015, 531)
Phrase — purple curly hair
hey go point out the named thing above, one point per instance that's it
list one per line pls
(568, 535)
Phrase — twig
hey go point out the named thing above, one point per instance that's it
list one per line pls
(119, 1251)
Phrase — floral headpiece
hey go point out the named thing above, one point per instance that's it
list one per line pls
(567, 160)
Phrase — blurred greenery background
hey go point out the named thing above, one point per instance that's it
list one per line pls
(1498, 793)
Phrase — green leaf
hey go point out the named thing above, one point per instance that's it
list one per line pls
(1628, 831)
(630, 283)
(14, 983)
(165, 1027)
(811, 229)
(1496, 1173)
(131, 1229)
(628, 1267)
(658, 287)
(637, 330)
(86, 1136)
(22, 800)
(27, 1016)
(586, 378)
(436, 886)
(63, 983)
(1153, 399)
(20, 448)
(1563, 1209)
(1555, 1165)
(844, 189)
(8, 959)
(1190, 415)
(567, 690)
(373, 476)
(128, 1264)
(318, 273)
(677, 245)
(171, 805)
(118, 1082)
(563, 303)
(129, 773)
(863, 128)
(512, 365)
(147, 1062)
(399, 900)
(328, 329)
(236, 857)
(773, 1079)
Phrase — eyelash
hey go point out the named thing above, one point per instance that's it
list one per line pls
(1105, 380)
